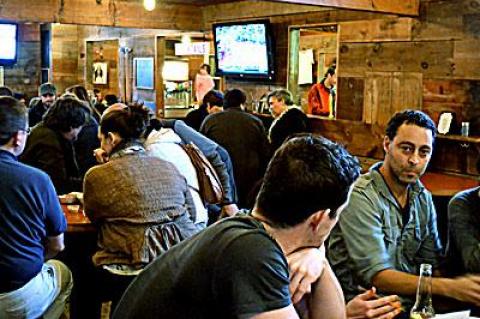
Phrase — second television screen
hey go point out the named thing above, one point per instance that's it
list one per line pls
(242, 49)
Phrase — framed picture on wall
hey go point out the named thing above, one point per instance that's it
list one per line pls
(144, 73)
(100, 73)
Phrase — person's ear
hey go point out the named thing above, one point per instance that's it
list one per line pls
(315, 220)
(113, 138)
(386, 143)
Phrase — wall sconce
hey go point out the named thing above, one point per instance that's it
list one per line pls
(149, 5)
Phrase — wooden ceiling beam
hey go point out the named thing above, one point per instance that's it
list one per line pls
(402, 7)
(114, 13)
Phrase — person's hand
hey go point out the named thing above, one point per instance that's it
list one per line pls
(229, 210)
(466, 288)
(100, 155)
(306, 266)
(369, 305)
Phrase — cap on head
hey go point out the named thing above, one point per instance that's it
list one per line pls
(47, 88)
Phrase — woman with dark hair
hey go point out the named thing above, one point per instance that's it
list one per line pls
(140, 204)
(87, 141)
(50, 145)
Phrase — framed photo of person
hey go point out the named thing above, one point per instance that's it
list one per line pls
(100, 73)
(144, 70)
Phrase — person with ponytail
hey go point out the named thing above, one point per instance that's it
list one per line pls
(140, 204)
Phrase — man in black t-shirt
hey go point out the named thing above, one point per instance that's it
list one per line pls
(237, 268)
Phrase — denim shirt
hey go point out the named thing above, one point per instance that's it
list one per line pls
(370, 235)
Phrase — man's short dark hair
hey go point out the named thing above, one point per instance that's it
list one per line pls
(6, 91)
(331, 70)
(281, 95)
(307, 174)
(234, 98)
(66, 113)
(13, 118)
(411, 117)
(111, 99)
(214, 98)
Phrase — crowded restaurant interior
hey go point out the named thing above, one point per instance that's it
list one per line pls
(239, 159)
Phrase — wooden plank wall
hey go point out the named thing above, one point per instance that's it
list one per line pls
(142, 47)
(24, 76)
(65, 54)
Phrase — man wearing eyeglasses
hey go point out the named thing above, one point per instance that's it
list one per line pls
(38, 106)
(32, 224)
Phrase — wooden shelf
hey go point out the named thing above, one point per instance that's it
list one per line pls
(459, 138)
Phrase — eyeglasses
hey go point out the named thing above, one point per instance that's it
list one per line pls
(27, 130)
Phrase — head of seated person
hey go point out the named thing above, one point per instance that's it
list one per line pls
(234, 98)
(122, 125)
(308, 175)
(279, 101)
(213, 101)
(67, 116)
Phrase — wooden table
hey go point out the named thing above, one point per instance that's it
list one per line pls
(77, 222)
(447, 185)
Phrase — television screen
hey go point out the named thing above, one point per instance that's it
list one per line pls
(8, 40)
(244, 49)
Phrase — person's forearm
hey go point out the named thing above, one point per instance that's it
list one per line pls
(395, 282)
(327, 297)
(53, 246)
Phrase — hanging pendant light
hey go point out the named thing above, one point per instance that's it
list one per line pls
(149, 5)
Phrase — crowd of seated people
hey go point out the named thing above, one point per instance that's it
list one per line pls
(141, 193)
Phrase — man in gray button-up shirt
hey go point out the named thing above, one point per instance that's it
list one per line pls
(389, 227)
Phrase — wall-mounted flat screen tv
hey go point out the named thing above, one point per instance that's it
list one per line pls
(244, 50)
(8, 43)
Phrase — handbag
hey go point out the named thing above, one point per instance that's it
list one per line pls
(210, 187)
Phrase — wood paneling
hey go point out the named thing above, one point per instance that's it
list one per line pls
(124, 13)
(378, 96)
(466, 60)
(64, 56)
(142, 47)
(159, 61)
(408, 7)
(389, 92)
(431, 58)
(381, 30)
(350, 102)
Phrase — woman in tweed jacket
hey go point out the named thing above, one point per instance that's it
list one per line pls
(141, 204)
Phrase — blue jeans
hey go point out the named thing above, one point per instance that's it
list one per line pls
(45, 295)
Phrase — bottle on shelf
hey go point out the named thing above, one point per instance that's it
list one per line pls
(423, 307)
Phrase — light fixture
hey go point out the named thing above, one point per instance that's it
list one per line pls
(149, 5)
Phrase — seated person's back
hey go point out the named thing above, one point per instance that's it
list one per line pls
(31, 228)
(141, 204)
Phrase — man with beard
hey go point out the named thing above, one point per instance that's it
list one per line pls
(389, 227)
(39, 105)
(50, 145)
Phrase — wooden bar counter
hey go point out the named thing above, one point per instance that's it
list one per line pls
(440, 184)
